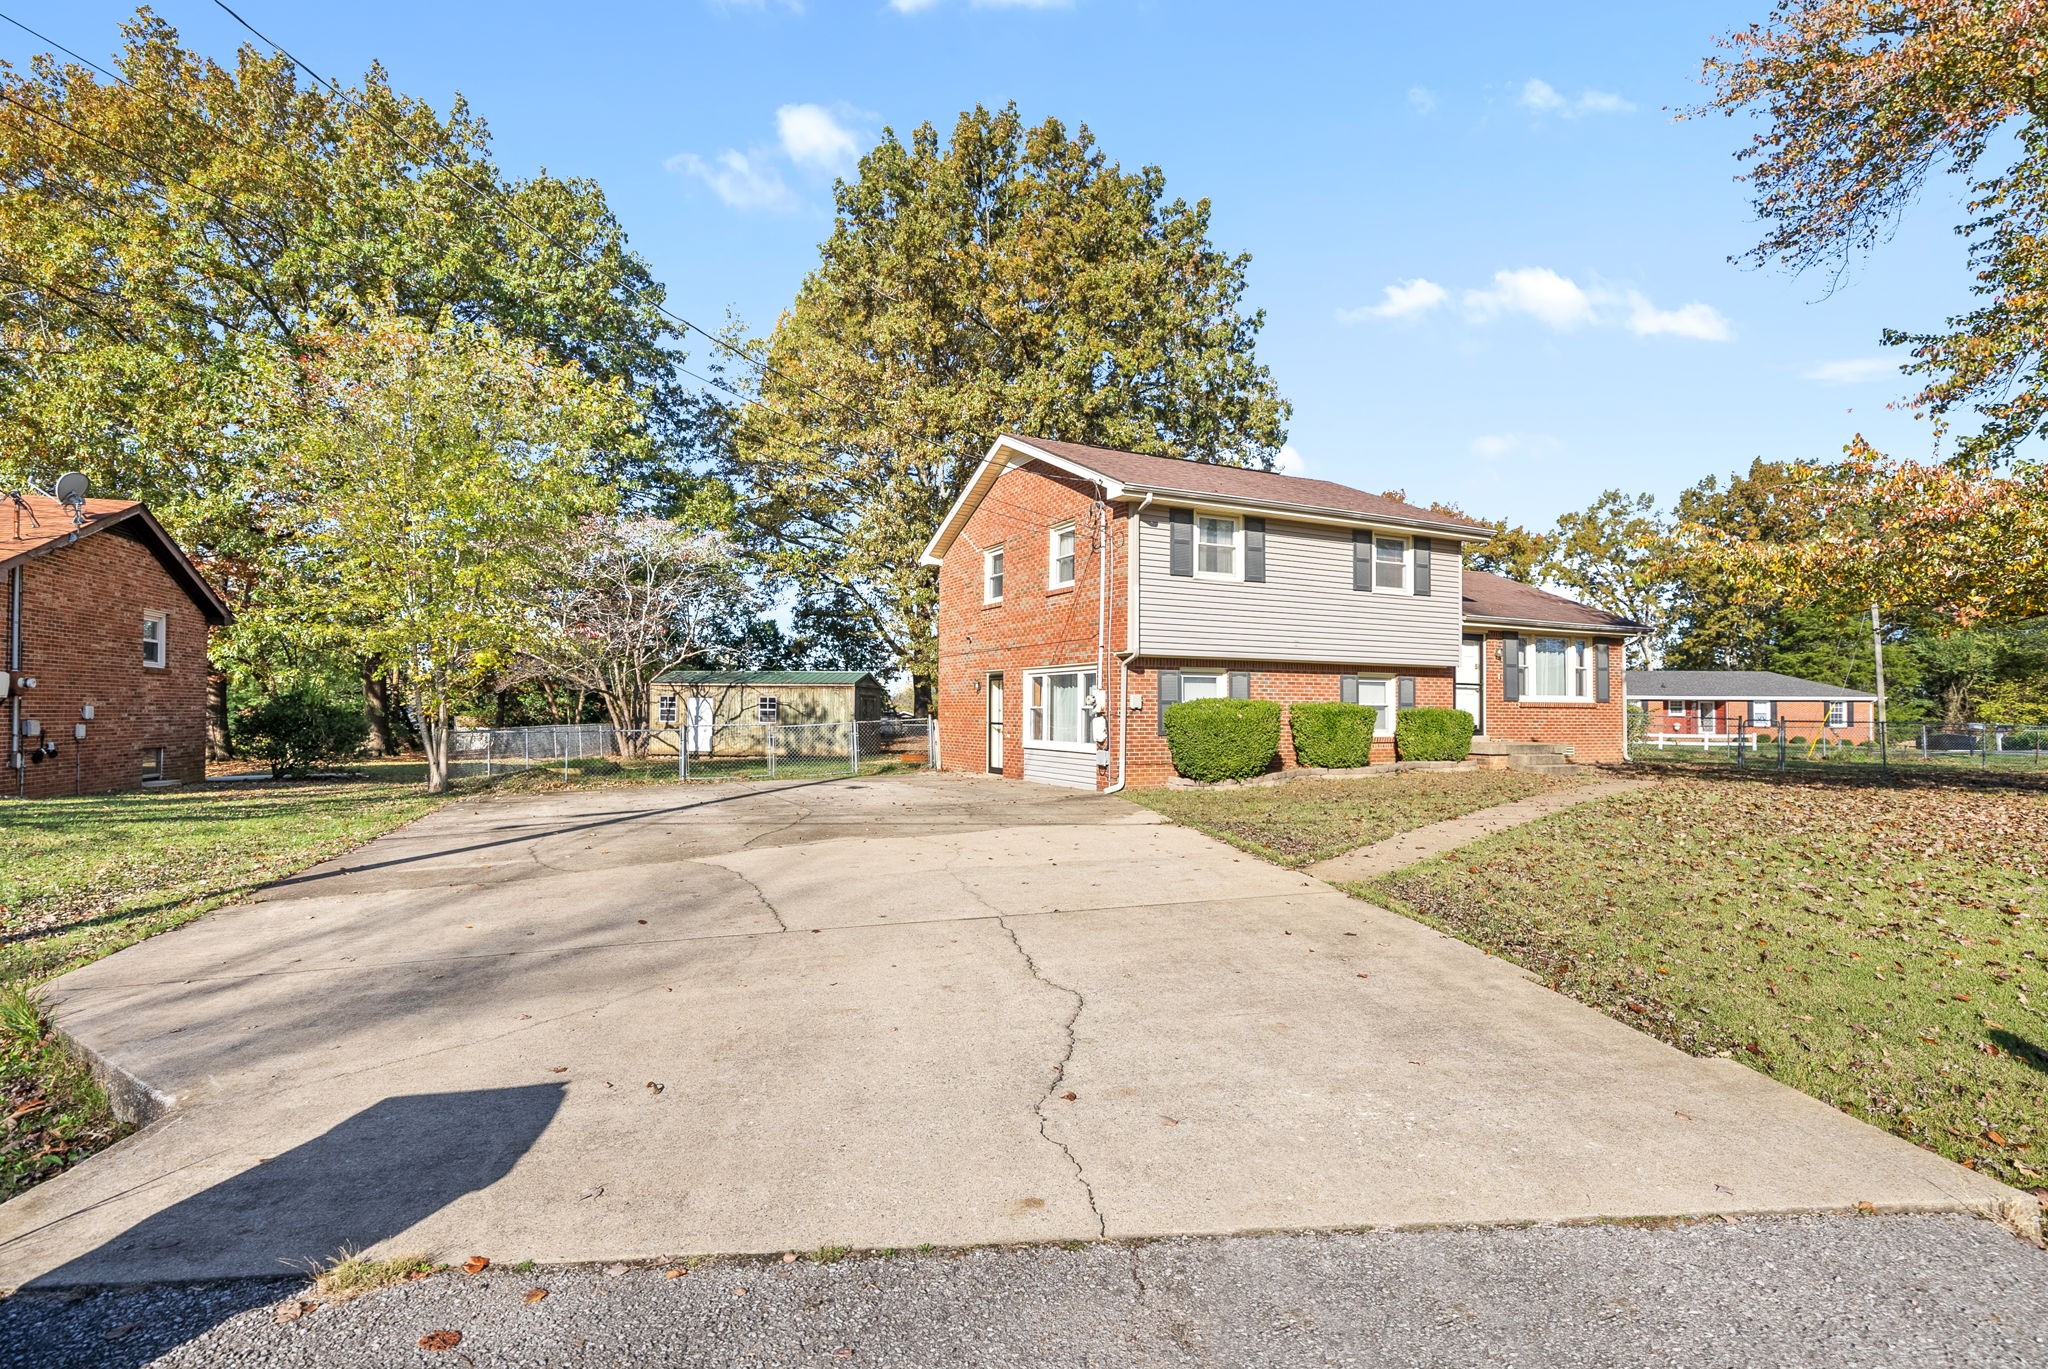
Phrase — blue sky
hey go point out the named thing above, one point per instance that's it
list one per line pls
(1494, 267)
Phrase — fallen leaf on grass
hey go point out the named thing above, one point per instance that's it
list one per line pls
(535, 1294)
(440, 1340)
(476, 1264)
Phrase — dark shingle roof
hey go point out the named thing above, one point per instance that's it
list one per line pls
(764, 677)
(1495, 596)
(1733, 684)
(1168, 473)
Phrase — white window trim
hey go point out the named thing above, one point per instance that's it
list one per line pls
(988, 560)
(1383, 717)
(1529, 671)
(765, 705)
(163, 639)
(1407, 585)
(1083, 670)
(1052, 556)
(1222, 678)
(1236, 571)
(1835, 705)
(1762, 713)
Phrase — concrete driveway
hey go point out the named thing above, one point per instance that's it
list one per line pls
(644, 1022)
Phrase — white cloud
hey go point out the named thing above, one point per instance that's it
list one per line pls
(1540, 97)
(816, 137)
(1290, 461)
(1423, 99)
(1854, 371)
(741, 180)
(918, 6)
(1701, 322)
(1537, 291)
(1405, 300)
(1499, 446)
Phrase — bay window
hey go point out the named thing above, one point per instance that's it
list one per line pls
(1056, 710)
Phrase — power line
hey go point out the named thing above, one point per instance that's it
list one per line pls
(766, 367)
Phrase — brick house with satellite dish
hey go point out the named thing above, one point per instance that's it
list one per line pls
(103, 624)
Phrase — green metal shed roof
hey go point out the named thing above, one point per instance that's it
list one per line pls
(766, 677)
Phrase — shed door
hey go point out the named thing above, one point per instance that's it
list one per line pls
(701, 714)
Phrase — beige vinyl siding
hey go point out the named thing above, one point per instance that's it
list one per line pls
(1072, 769)
(1305, 610)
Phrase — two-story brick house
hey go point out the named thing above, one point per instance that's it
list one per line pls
(1082, 591)
(104, 623)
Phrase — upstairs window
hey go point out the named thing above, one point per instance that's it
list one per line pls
(154, 627)
(1060, 558)
(1216, 546)
(1390, 563)
(992, 576)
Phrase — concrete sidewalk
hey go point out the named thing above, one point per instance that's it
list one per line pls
(1408, 848)
(649, 1021)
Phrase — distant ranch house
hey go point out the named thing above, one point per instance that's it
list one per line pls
(730, 711)
(1710, 704)
(104, 624)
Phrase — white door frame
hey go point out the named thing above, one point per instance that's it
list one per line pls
(699, 714)
(1476, 643)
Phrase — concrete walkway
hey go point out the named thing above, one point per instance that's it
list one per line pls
(1409, 848)
(641, 1022)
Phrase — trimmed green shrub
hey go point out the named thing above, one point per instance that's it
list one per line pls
(1332, 735)
(1433, 734)
(1223, 739)
(299, 728)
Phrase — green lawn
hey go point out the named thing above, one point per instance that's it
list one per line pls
(1884, 948)
(1310, 820)
(83, 877)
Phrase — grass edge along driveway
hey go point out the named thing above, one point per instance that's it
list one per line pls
(1305, 821)
(85, 877)
(1884, 949)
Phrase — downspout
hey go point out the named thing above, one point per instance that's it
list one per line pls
(1123, 690)
(14, 757)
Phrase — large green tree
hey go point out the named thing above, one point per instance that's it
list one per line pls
(1614, 554)
(1011, 278)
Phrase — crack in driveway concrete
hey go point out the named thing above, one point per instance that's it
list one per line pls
(1059, 1073)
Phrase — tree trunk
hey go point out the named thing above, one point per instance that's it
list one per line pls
(436, 722)
(921, 695)
(376, 707)
(220, 743)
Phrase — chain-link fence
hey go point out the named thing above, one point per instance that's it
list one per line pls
(1930, 748)
(737, 750)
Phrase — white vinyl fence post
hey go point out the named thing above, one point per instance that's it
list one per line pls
(853, 744)
(771, 749)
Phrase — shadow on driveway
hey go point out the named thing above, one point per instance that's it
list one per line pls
(364, 1181)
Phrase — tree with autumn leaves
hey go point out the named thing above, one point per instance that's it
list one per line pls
(1863, 102)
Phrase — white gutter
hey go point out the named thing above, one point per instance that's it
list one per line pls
(1123, 686)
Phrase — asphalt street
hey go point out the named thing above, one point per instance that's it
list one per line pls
(1926, 1291)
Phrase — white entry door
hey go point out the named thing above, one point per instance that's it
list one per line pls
(1471, 686)
(701, 713)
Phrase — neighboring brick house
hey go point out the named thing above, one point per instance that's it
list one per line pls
(1538, 667)
(104, 622)
(1082, 590)
(1707, 705)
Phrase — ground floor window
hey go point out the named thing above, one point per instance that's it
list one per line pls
(666, 709)
(1378, 694)
(1056, 711)
(1204, 684)
(1557, 669)
(768, 709)
(152, 762)
(1838, 713)
(1759, 712)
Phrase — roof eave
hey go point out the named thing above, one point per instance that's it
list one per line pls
(1608, 629)
(970, 495)
(1463, 532)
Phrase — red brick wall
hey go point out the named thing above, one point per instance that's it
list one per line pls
(1033, 628)
(1594, 731)
(1802, 718)
(81, 618)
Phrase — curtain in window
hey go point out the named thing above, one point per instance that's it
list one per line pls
(1548, 673)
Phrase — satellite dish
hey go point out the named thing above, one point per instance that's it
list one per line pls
(71, 488)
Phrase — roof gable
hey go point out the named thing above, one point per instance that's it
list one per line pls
(1125, 475)
(38, 525)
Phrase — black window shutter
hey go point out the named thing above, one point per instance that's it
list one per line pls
(1404, 691)
(1183, 541)
(1511, 667)
(1422, 566)
(1602, 689)
(1347, 688)
(1240, 684)
(1255, 550)
(1849, 712)
(1361, 559)
(1169, 693)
